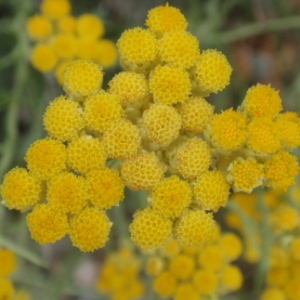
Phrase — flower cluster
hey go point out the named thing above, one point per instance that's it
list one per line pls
(120, 277)
(8, 266)
(193, 273)
(61, 37)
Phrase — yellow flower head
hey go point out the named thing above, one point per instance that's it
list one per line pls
(89, 230)
(60, 70)
(228, 129)
(212, 71)
(68, 192)
(165, 284)
(47, 224)
(55, 8)
(39, 27)
(196, 114)
(292, 289)
(154, 265)
(46, 157)
(179, 48)
(130, 87)
(89, 25)
(263, 136)
(186, 291)
(231, 246)
(101, 110)
(295, 249)
(43, 58)
(87, 48)
(20, 189)
(137, 48)
(65, 45)
(8, 263)
(171, 248)
(262, 101)
(272, 293)
(67, 24)
(162, 123)
(106, 187)
(212, 190)
(245, 174)
(107, 54)
(142, 172)
(169, 84)
(162, 19)
(281, 170)
(122, 139)
(7, 289)
(205, 281)
(278, 276)
(285, 218)
(195, 228)
(192, 158)
(63, 119)
(211, 258)
(85, 154)
(171, 196)
(149, 229)
(231, 278)
(182, 266)
(83, 78)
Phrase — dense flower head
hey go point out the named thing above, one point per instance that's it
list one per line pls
(171, 248)
(46, 157)
(284, 218)
(169, 84)
(262, 101)
(182, 266)
(195, 228)
(59, 71)
(165, 284)
(154, 265)
(82, 78)
(55, 8)
(43, 58)
(86, 153)
(101, 110)
(122, 139)
(272, 293)
(47, 223)
(7, 289)
(65, 45)
(149, 229)
(106, 54)
(87, 48)
(39, 27)
(68, 192)
(179, 48)
(212, 71)
(106, 187)
(231, 278)
(211, 258)
(142, 172)
(162, 19)
(20, 189)
(89, 229)
(89, 25)
(63, 119)
(231, 246)
(228, 129)
(211, 190)
(67, 24)
(205, 281)
(130, 87)
(196, 114)
(162, 123)
(171, 196)
(8, 262)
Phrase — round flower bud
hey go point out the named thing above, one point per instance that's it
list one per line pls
(231, 246)
(66, 24)
(107, 54)
(7, 289)
(43, 58)
(186, 291)
(211, 258)
(65, 45)
(165, 284)
(182, 266)
(231, 278)
(39, 27)
(205, 281)
(8, 262)
(91, 26)
(55, 8)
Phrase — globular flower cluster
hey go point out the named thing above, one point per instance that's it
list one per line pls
(119, 276)
(60, 37)
(8, 266)
(196, 273)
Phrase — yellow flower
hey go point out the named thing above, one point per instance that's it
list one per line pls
(85, 154)
(87, 48)
(142, 172)
(186, 291)
(205, 281)
(165, 284)
(7, 289)
(272, 293)
(107, 54)
(231, 278)
(171, 248)
(231, 246)
(281, 170)
(171, 196)
(7, 262)
(211, 258)
(65, 45)
(60, 70)
(211, 190)
(169, 84)
(162, 19)
(162, 123)
(196, 113)
(292, 289)
(101, 110)
(154, 265)
(149, 229)
(278, 277)
(55, 8)
(47, 224)
(20, 189)
(182, 266)
(262, 101)
(68, 192)
(89, 25)
(39, 27)
(43, 58)
(212, 71)
(195, 228)
(46, 157)
(106, 187)
(89, 230)
(179, 48)
(285, 218)
(295, 249)
(67, 24)
(63, 119)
